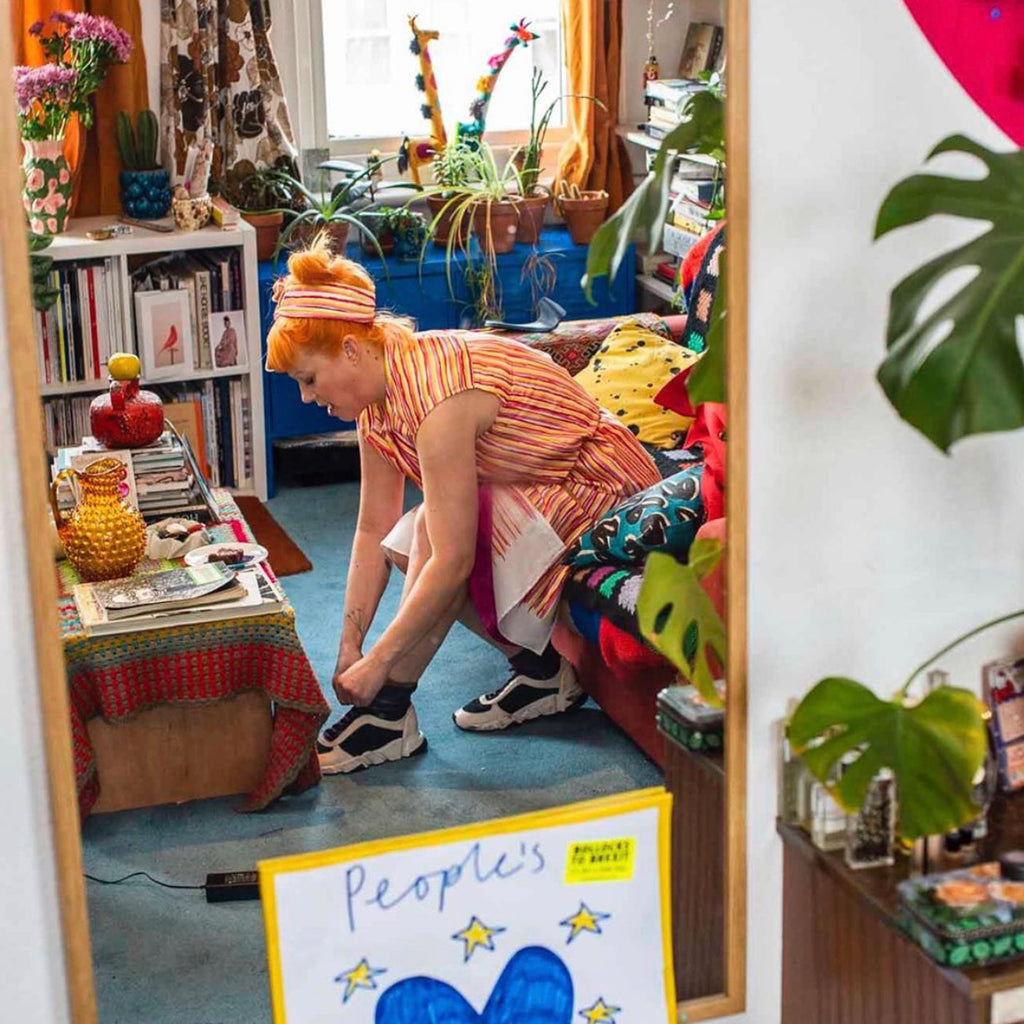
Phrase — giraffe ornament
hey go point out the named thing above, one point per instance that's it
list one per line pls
(417, 153)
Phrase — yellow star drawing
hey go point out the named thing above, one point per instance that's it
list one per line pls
(600, 1012)
(476, 933)
(584, 920)
(360, 976)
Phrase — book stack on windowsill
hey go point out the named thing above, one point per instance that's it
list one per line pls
(176, 597)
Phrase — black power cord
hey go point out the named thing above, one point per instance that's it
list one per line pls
(136, 874)
(219, 888)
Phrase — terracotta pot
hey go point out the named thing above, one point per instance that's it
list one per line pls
(441, 221)
(583, 216)
(531, 217)
(337, 234)
(386, 241)
(268, 230)
(495, 224)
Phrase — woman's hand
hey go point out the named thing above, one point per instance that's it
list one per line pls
(348, 655)
(360, 682)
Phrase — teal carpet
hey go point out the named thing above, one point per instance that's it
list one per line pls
(165, 956)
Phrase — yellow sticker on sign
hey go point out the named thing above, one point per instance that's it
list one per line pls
(600, 860)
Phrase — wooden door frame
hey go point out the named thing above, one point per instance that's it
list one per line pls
(24, 383)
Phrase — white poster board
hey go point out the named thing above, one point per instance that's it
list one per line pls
(546, 918)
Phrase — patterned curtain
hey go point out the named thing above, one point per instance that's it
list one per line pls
(219, 81)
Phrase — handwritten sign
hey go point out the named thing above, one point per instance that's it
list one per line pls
(546, 918)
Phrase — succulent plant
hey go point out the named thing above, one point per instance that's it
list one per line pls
(138, 147)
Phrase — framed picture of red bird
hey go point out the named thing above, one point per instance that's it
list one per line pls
(163, 329)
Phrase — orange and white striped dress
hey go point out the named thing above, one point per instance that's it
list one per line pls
(553, 460)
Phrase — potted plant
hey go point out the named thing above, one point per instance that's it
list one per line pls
(452, 169)
(336, 210)
(583, 211)
(262, 196)
(145, 185)
(528, 158)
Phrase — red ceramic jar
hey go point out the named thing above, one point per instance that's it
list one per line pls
(126, 416)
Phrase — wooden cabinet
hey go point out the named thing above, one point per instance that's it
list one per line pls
(846, 960)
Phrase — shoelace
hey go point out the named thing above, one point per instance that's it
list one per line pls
(332, 732)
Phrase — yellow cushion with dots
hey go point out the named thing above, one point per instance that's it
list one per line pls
(625, 374)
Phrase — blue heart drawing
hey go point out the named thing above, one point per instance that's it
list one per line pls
(534, 988)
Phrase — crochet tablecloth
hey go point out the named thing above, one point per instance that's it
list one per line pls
(118, 675)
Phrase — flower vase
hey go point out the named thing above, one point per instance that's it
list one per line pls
(48, 186)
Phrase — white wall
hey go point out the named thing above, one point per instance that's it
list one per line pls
(34, 986)
(868, 548)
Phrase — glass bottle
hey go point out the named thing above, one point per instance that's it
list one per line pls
(828, 820)
(871, 832)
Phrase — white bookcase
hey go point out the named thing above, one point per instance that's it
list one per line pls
(73, 246)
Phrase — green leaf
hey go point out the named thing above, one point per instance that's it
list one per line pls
(706, 382)
(957, 371)
(676, 615)
(701, 131)
(933, 748)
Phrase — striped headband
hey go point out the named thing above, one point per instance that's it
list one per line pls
(325, 302)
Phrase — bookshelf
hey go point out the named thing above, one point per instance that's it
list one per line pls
(117, 258)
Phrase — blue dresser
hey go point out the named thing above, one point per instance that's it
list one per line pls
(421, 291)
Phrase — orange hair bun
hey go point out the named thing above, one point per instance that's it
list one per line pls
(318, 265)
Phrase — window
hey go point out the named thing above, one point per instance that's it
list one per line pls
(369, 95)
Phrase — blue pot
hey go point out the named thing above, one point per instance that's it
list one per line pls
(146, 195)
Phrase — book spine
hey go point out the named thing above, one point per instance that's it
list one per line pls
(203, 298)
(226, 434)
(210, 421)
(236, 279)
(94, 335)
(68, 338)
(715, 50)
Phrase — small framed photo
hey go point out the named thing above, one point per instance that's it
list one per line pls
(163, 325)
(227, 335)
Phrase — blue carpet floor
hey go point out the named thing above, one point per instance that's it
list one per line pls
(165, 956)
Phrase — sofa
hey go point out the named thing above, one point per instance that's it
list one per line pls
(597, 628)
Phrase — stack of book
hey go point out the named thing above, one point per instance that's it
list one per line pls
(161, 480)
(665, 99)
(176, 597)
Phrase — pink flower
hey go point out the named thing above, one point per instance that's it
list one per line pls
(51, 225)
(37, 204)
(38, 227)
(65, 177)
(36, 28)
(95, 29)
(34, 181)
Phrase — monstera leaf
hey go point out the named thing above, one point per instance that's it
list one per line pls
(644, 212)
(933, 748)
(957, 370)
(677, 617)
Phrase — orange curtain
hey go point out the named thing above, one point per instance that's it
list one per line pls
(95, 160)
(594, 156)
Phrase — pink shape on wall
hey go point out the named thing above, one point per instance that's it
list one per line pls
(982, 44)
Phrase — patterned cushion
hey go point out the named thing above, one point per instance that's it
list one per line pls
(626, 373)
(572, 344)
(610, 592)
(665, 517)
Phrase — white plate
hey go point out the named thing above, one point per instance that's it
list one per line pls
(252, 554)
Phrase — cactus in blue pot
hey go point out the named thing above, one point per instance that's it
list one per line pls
(145, 185)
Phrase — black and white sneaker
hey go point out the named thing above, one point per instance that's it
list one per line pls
(521, 699)
(362, 737)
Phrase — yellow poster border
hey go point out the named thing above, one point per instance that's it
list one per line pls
(584, 811)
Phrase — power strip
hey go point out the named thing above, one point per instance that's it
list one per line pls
(232, 885)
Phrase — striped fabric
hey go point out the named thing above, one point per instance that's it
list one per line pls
(551, 446)
(325, 302)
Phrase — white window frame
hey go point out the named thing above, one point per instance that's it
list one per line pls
(310, 120)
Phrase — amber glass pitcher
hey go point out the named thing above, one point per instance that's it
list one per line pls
(103, 536)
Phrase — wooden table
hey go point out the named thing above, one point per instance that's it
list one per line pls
(209, 709)
(847, 961)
